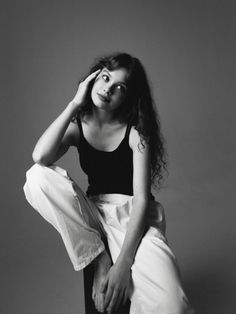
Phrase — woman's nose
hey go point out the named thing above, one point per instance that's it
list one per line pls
(107, 89)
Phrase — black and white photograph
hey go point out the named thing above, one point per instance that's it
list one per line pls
(118, 157)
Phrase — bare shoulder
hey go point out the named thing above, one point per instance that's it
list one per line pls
(72, 133)
(135, 139)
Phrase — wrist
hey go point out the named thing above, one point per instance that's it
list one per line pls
(76, 103)
(72, 107)
(126, 261)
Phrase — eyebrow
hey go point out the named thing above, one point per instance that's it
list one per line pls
(120, 82)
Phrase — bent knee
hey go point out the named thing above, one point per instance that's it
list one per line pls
(37, 175)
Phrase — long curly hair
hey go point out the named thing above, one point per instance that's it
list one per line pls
(138, 108)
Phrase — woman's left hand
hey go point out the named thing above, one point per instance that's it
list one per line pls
(116, 286)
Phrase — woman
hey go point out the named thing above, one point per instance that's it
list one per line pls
(117, 225)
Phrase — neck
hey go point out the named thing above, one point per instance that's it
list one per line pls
(102, 117)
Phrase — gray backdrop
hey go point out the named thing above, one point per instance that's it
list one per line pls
(187, 48)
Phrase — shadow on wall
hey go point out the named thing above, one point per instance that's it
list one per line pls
(209, 291)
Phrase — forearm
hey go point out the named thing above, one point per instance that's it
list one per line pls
(48, 144)
(134, 232)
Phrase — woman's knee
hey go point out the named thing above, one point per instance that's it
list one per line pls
(38, 175)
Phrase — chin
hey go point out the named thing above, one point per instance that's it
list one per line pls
(98, 102)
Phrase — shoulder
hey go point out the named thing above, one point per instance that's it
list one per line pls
(73, 133)
(135, 141)
(134, 138)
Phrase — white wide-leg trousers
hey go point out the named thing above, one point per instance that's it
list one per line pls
(83, 222)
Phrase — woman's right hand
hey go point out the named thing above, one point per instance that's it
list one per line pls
(80, 95)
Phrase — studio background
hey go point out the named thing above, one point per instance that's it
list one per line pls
(187, 48)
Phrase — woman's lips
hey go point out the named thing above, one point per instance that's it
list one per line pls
(103, 98)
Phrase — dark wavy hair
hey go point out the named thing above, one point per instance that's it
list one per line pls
(138, 108)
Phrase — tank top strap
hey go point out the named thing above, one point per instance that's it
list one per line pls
(129, 126)
(79, 125)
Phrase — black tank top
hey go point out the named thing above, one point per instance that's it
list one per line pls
(108, 172)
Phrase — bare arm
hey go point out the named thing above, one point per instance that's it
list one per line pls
(117, 282)
(61, 134)
(141, 190)
(57, 138)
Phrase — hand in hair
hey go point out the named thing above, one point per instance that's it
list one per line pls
(80, 95)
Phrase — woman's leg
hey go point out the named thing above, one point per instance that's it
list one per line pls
(156, 286)
(64, 205)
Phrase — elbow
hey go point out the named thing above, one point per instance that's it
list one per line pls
(38, 159)
(141, 197)
(141, 200)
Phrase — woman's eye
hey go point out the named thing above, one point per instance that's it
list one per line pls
(120, 88)
(105, 77)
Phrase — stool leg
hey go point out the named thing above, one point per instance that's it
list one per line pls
(88, 284)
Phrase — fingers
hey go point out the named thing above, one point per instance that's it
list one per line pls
(119, 301)
(92, 76)
(99, 303)
(93, 294)
(115, 301)
(103, 286)
(108, 296)
(125, 296)
(117, 297)
(83, 89)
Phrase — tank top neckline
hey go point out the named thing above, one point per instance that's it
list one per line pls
(128, 127)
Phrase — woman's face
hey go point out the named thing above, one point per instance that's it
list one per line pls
(109, 89)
